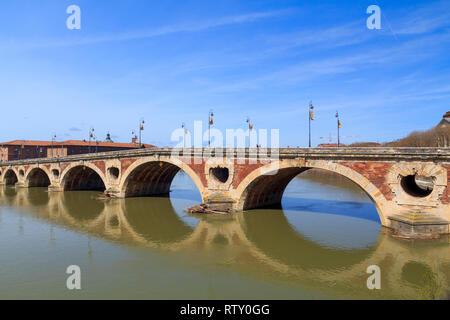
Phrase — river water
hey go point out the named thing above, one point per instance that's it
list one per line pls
(317, 246)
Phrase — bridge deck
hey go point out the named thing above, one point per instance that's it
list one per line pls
(373, 154)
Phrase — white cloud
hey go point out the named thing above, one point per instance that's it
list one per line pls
(423, 20)
(145, 34)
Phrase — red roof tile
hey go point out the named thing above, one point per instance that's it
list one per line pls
(76, 143)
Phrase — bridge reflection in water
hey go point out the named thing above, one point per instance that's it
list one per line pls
(320, 247)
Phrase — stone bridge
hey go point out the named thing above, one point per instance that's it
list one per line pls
(408, 186)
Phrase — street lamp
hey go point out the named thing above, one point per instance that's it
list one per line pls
(210, 122)
(184, 134)
(141, 127)
(91, 135)
(338, 127)
(133, 137)
(53, 141)
(311, 117)
(250, 128)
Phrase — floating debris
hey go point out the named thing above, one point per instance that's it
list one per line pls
(103, 197)
(206, 209)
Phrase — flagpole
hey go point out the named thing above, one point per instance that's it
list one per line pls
(184, 135)
(211, 114)
(310, 114)
(309, 118)
(249, 133)
(141, 127)
(91, 135)
(53, 140)
(337, 117)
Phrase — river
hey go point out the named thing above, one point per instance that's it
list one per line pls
(318, 245)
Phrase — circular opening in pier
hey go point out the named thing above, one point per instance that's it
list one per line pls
(21, 173)
(113, 172)
(221, 174)
(55, 173)
(417, 186)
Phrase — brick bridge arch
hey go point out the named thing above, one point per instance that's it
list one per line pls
(265, 185)
(82, 176)
(153, 176)
(37, 177)
(10, 176)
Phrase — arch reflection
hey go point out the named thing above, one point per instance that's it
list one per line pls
(264, 245)
(81, 206)
(155, 219)
(293, 248)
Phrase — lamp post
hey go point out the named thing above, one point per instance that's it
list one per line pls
(338, 127)
(250, 128)
(311, 117)
(133, 137)
(184, 134)
(53, 141)
(141, 127)
(91, 135)
(210, 122)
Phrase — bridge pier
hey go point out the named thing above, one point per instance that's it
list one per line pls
(55, 187)
(114, 192)
(21, 184)
(417, 223)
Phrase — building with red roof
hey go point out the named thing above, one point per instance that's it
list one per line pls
(31, 149)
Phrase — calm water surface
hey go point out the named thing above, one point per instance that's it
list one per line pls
(317, 246)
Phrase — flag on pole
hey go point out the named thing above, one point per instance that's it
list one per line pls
(339, 124)
(311, 115)
(211, 119)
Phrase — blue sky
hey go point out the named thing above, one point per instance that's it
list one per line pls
(172, 61)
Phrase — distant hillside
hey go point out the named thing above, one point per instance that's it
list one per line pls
(364, 144)
(439, 136)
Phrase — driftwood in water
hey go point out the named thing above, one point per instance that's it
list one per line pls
(206, 208)
(103, 197)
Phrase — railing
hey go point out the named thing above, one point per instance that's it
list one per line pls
(373, 154)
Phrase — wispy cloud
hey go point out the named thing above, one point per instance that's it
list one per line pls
(419, 22)
(423, 20)
(334, 36)
(157, 32)
(327, 66)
